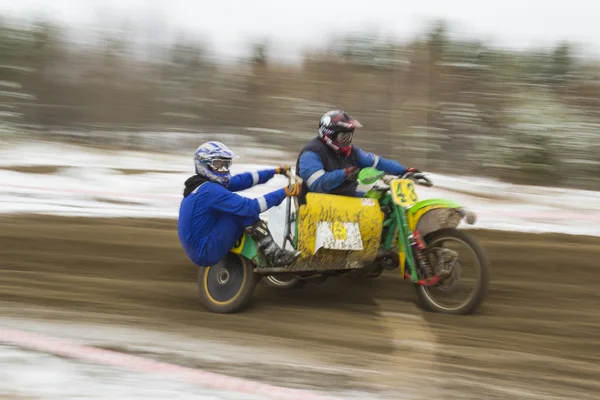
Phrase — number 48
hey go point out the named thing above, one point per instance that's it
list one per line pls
(408, 190)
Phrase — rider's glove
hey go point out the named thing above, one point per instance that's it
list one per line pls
(282, 169)
(413, 170)
(294, 190)
(351, 173)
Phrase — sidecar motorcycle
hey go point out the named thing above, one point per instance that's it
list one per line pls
(388, 228)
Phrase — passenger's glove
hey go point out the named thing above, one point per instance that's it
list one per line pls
(282, 169)
(294, 190)
(351, 173)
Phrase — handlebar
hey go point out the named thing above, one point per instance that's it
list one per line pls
(293, 177)
(418, 177)
(421, 179)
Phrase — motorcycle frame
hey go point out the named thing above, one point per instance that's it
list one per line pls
(397, 224)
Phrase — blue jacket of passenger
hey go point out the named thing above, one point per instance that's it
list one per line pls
(212, 217)
(323, 170)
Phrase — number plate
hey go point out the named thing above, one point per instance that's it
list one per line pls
(404, 192)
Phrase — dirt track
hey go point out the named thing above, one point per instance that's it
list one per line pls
(537, 335)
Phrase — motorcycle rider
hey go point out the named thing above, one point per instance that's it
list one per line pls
(329, 163)
(212, 217)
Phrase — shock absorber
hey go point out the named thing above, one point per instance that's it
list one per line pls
(419, 240)
(418, 245)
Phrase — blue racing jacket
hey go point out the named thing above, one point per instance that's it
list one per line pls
(212, 217)
(318, 179)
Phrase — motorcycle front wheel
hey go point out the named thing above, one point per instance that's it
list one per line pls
(444, 259)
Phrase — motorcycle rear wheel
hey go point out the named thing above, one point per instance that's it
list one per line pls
(283, 282)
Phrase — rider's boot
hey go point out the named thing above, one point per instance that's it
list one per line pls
(277, 256)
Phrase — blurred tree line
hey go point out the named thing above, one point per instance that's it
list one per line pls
(440, 104)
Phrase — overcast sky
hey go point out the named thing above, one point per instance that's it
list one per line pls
(294, 24)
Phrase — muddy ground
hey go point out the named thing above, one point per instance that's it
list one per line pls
(536, 336)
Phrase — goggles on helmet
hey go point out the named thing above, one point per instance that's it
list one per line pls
(344, 138)
(220, 165)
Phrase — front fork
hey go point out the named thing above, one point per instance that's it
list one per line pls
(414, 249)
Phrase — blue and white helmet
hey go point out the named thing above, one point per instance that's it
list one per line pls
(213, 160)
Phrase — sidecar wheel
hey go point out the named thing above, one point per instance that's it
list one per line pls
(283, 282)
(429, 297)
(227, 286)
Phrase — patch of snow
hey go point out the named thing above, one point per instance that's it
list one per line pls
(31, 374)
(90, 183)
